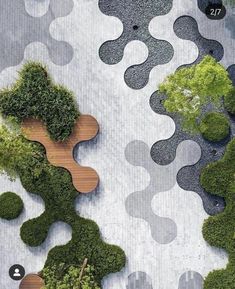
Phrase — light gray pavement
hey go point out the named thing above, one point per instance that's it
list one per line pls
(124, 115)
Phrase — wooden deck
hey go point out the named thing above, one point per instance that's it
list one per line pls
(85, 179)
(31, 281)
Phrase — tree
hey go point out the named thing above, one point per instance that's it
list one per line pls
(190, 88)
(64, 277)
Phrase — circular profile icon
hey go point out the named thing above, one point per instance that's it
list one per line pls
(16, 272)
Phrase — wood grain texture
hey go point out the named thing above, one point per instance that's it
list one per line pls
(31, 281)
(85, 179)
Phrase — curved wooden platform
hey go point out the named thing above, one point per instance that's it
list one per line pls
(60, 154)
(31, 281)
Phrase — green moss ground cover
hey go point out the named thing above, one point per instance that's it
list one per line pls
(229, 101)
(11, 206)
(53, 184)
(219, 178)
(214, 126)
(35, 95)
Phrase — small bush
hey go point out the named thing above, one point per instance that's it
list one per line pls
(11, 206)
(214, 126)
(35, 95)
(229, 101)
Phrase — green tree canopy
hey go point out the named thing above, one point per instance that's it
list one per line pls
(188, 89)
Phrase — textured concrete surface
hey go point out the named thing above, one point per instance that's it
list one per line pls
(162, 178)
(18, 29)
(191, 280)
(139, 280)
(125, 115)
(185, 27)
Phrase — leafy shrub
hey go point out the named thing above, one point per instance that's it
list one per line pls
(219, 178)
(64, 277)
(11, 206)
(214, 126)
(229, 101)
(35, 95)
(190, 88)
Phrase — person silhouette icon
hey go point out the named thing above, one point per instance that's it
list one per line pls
(17, 272)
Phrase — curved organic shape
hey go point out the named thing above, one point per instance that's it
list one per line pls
(60, 154)
(136, 16)
(219, 230)
(32, 281)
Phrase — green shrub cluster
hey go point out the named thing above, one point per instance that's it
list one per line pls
(35, 95)
(11, 206)
(53, 184)
(69, 277)
(214, 126)
(229, 101)
(219, 178)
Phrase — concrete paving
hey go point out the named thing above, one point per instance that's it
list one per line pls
(125, 116)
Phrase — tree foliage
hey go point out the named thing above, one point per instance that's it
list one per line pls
(68, 277)
(190, 88)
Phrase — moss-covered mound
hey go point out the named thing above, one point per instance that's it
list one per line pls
(35, 95)
(11, 206)
(214, 126)
(229, 101)
(219, 178)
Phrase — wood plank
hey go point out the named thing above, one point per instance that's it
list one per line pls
(32, 281)
(85, 179)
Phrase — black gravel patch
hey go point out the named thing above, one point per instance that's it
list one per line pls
(185, 27)
(163, 152)
(136, 16)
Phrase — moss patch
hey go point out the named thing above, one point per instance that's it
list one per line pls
(11, 206)
(229, 101)
(219, 231)
(35, 95)
(214, 127)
